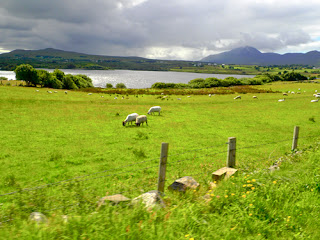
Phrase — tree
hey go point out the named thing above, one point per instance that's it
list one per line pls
(109, 85)
(43, 77)
(120, 85)
(26, 72)
(58, 74)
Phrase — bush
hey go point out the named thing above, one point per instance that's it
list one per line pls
(3, 78)
(68, 82)
(121, 85)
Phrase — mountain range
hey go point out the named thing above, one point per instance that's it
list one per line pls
(251, 56)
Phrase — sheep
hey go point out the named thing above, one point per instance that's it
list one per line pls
(281, 100)
(255, 97)
(237, 97)
(130, 118)
(154, 109)
(178, 98)
(315, 100)
(285, 94)
(49, 91)
(141, 119)
(66, 92)
(209, 95)
(115, 98)
(89, 93)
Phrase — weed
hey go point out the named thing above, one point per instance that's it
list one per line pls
(139, 153)
(55, 157)
(141, 136)
(311, 119)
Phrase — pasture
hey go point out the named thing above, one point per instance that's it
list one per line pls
(52, 138)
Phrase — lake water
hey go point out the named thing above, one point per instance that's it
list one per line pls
(134, 79)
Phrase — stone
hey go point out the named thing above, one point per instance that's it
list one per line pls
(150, 199)
(38, 217)
(184, 183)
(115, 199)
(222, 173)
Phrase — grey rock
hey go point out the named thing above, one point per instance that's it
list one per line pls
(184, 183)
(150, 199)
(38, 217)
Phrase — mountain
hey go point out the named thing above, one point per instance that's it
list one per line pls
(251, 56)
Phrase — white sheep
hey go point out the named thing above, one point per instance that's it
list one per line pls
(66, 92)
(285, 94)
(237, 97)
(154, 109)
(89, 93)
(141, 119)
(281, 100)
(317, 100)
(130, 118)
(254, 97)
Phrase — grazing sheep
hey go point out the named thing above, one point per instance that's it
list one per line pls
(66, 92)
(55, 91)
(209, 95)
(237, 97)
(154, 109)
(281, 100)
(315, 100)
(130, 118)
(89, 93)
(141, 119)
(285, 94)
(178, 98)
(316, 95)
(255, 97)
(49, 91)
(115, 98)
(37, 90)
(189, 96)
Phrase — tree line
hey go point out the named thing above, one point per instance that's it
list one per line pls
(57, 79)
(231, 81)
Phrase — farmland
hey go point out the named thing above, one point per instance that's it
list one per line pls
(48, 138)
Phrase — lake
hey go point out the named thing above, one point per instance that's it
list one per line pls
(134, 79)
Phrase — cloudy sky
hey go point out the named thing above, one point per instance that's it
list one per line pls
(162, 29)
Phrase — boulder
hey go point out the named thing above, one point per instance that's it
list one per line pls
(184, 183)
(150, 199)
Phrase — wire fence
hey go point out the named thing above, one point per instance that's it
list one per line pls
(179, 164)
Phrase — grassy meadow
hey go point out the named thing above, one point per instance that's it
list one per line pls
(60, 153)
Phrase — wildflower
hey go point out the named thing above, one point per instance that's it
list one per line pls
(247, 192)
(212, 195)
(244, 185)
(191, 238)
(250, 214)
(253, 188)
(259, 234)
(243, 196)
(187, 235)
(215, 182)
(226, 196)
(253, 180)
(232, 194)
(232, 228)
(248, 181)
(210, 190)
(217, 196)
(250, 204)
(194, 190)
(274, 182)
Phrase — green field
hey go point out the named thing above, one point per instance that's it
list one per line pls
(77, 145)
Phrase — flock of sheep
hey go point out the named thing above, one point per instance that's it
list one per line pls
(140, 119)
(316, 95)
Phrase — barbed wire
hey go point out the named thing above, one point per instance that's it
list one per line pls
(66, 182)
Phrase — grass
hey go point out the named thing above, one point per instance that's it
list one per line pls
(47, 138)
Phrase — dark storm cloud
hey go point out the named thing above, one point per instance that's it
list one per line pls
(174, 29)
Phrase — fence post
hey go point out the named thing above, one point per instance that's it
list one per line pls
(231, 160)
(162, 167)
(295, 138)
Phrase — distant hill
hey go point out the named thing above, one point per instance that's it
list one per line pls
(54, 58)
(252, 56)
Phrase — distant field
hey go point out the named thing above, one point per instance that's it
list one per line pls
(46, 138)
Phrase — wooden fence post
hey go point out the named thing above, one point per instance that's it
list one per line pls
(231, 160)
(295, 138)
(162, 167)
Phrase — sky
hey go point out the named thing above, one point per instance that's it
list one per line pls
(160, 29)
